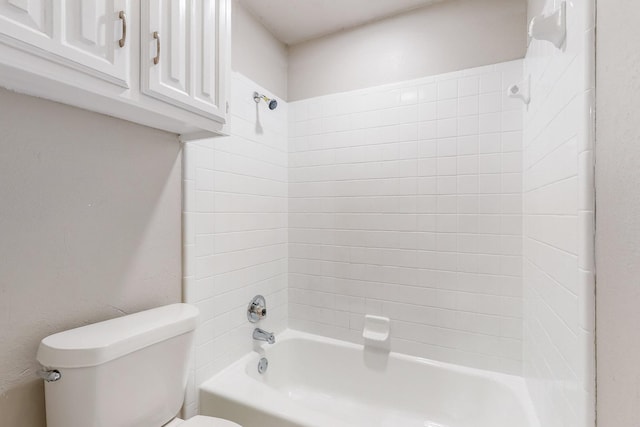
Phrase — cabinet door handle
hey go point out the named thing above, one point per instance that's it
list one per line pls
(123, 18)
(156, 36)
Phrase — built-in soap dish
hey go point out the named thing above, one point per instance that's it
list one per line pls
(376, 332)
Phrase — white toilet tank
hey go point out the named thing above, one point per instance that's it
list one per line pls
(125, 372)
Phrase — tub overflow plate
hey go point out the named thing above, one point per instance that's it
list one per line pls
(263, 364)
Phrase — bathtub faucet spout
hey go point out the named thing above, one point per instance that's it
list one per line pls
(262, 335)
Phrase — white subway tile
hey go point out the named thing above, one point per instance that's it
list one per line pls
(490, 102)
(467, 145)
(467, 165)
(468, 86)
(447, 147)
(427, 111)
(447, 109)
(490, 82)
(447, 165)
(447, 128)
(468, 106)
(448, 89)
(467, 125)
(490, 123)
(428, 92)
(490, 143)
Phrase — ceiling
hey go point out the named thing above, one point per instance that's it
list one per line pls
(295, 21)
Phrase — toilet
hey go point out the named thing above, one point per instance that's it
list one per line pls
(125, 372)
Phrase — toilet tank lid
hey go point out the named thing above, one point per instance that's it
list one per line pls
(101, 342)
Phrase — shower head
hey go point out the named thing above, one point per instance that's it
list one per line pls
(273, 104)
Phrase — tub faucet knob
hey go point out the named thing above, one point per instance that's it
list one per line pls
(257, 309)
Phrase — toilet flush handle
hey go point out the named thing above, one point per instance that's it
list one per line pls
(49, 376)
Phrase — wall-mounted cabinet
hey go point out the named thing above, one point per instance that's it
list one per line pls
(161, 63)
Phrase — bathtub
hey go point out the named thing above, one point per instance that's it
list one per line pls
(314, 381)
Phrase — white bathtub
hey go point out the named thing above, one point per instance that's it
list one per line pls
(319, 382)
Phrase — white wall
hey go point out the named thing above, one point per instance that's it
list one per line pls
(559, 225)
(257, 54)
(90, 226)
(235, 202)
(405, 201)
(449, 36)
(618, 227)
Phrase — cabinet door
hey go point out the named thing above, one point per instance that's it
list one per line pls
(82, 34)
(26, 22)
(184, 54)
(207, 36)
(96, 34)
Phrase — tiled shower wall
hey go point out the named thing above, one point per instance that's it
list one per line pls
(406, 201)
(235, 231)
(559, 224)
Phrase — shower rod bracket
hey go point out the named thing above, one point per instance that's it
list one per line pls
(551, 28)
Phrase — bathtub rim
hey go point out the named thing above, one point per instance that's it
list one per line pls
(514, 383)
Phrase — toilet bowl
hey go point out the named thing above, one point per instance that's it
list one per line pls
(125, 372)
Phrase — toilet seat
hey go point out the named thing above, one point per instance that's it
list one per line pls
(202, 421)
